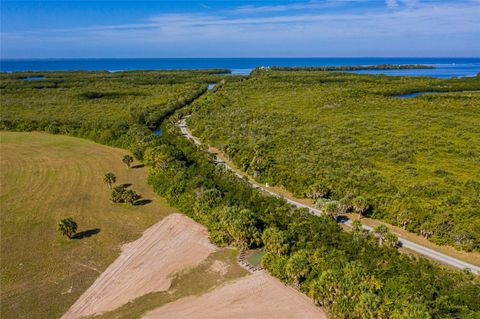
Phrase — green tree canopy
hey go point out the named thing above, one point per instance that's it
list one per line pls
(68, 227)
(127, 160)
(109, 179)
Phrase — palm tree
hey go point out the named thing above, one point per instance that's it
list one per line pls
(275, 241)
(404, 219)
(117, 194)
(109, 178)
(331, 209)
(68, 227)
(358, 231)
(130, 196)
(318, 191)
(127, 160)
(356, 226)
(297, 266)
(360, 205)
(381, 231)
(391, 240)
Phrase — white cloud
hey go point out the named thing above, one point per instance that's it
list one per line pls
(424, 19)
(391, 3)
(282, 31)
(310, 5)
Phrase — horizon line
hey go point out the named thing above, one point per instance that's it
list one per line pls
(249, 57)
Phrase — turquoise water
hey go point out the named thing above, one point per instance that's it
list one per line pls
(33, 78)
(445, 67)
(415, 94)
(411, 95)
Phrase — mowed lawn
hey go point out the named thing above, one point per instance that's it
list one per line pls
(48, 177)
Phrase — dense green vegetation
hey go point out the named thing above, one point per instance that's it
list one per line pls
(111, 108)
(346, 272)
(341, 135)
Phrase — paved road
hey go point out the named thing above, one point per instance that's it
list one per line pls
(430, 253)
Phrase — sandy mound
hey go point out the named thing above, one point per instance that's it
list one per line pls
(145, 265)
(256, 296)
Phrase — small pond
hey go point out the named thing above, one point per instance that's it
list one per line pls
(157, 131)
(210, 86)
(254, 257)
(411, 95)
(33, 78)
(414, 94)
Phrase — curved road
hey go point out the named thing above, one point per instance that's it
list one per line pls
(430, 253)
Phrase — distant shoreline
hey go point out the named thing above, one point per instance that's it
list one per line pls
(440, 67)
(355, 67)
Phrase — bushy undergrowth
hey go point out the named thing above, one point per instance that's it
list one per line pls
(415, 160)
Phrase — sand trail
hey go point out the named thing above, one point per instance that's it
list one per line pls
(259, 296)
(146, 265)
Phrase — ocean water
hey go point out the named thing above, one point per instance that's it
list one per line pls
(445, 67)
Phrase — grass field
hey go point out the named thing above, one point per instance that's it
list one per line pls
(43, 179)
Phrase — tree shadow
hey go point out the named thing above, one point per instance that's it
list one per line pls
(137, 166)
(126, 185)
(86, 233)
(342, 219)
(142, 202)
(368, 212)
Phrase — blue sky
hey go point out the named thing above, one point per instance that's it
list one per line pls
(317, 28)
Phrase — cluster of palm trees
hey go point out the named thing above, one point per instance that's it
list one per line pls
(334, 208)
(358, 204)
(384, 236)
(347, 292)
(120, 194)
(380, 232)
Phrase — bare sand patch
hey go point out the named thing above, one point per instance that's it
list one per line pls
(146, 265)
(259, 296)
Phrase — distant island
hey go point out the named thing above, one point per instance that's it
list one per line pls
(353, 67)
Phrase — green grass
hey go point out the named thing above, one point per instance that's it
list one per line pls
(196, 281)
(48, 177)
(415, 160)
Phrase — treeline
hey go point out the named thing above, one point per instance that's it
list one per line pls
(351, 67)
(414, 160)
(74, 78)
(347, 273)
